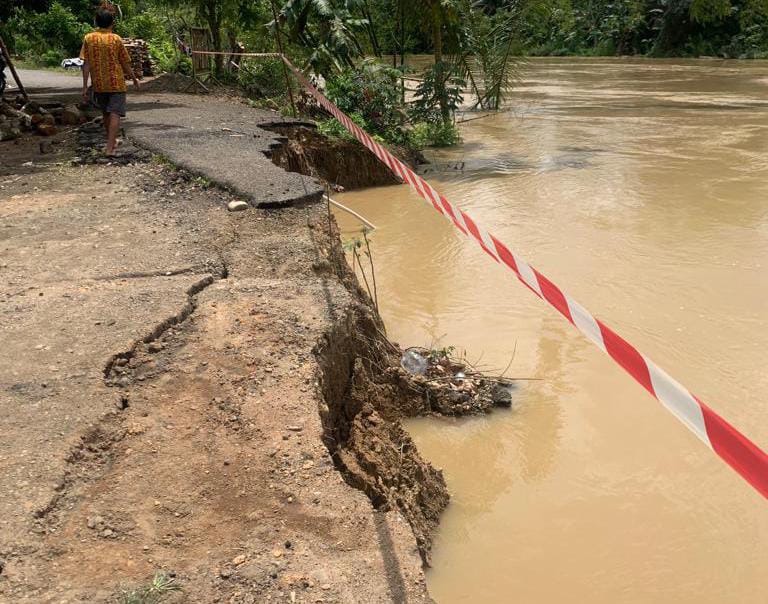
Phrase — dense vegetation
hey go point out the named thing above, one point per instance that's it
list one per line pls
(660, 28)
(476, 44)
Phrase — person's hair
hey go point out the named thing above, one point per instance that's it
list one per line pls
(105, 15)
(104, 18)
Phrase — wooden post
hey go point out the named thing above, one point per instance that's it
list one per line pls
(201, 64)
(285, 67)
(7, 57)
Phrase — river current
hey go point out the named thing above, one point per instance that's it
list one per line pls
(640, 187)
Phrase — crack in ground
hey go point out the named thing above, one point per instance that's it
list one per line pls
(93, 451)
(185, 312)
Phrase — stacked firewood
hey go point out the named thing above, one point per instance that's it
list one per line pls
(141, 61)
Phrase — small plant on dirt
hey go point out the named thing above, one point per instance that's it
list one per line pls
(203, 182)
(435, 355)
(164, 162)
(362, 248)
(161, 586)
(332, 128)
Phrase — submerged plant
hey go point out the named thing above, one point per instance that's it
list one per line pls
(489, 52)
(438, 95)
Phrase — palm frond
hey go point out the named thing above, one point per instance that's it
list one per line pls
(489, 58)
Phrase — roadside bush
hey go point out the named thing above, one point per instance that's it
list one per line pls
(153, 27)
(333, 128)
(168, 58)
(434, 134)
(38, 35)
(372, 93)
(421, 135)
(51, 58)
(371, 97)
(262, 78)
(147, 26)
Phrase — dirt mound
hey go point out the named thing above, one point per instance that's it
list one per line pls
(167, 82)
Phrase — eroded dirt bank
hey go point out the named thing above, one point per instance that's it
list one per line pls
(186, 389)
(338, 162)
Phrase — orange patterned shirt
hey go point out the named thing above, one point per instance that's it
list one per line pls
(108, 60)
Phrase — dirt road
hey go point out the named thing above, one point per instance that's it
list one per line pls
(172, 378)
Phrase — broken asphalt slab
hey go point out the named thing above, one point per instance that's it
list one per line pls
(223, 141)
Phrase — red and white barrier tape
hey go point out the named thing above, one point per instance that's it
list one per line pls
(261, 55)
(733, 447)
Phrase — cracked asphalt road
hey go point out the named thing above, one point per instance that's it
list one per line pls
(221, 139)
(224, 141)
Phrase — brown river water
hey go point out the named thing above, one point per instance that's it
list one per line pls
(641, 188)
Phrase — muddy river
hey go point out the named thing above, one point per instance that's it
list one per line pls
(641, 188)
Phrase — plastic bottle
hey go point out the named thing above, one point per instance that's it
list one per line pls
(414, 363)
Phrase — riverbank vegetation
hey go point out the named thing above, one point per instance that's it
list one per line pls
(656, 28)
(359, 48)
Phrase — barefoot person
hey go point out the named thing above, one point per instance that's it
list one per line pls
(106, 62)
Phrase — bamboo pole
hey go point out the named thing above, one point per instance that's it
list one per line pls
(335, 203)
(7, 57)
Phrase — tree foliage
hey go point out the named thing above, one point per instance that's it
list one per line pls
(330, 30)
(488, 55)
(727, 28)
(48, 36)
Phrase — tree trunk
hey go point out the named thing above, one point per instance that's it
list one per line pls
(371, 30)
(214, 24)
(437, 43)
(437, 31)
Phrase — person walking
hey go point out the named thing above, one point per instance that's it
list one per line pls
(106, 63)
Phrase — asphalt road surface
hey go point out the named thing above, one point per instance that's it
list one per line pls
(220, 139)
(36, 79)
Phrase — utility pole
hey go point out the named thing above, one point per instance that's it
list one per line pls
(282, 54)
(7, 57)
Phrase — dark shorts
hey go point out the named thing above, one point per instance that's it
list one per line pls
(110, 102)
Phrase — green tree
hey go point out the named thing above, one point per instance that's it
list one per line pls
(52, 34)
(330, 31)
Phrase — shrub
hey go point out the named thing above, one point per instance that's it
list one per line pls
(372, 93)
(168, 58)
(430, 96)
(263, 78)
(37, 34)
(434, 134)
(147, 26)
(371, 97)
(333, 128)
(52, 58)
